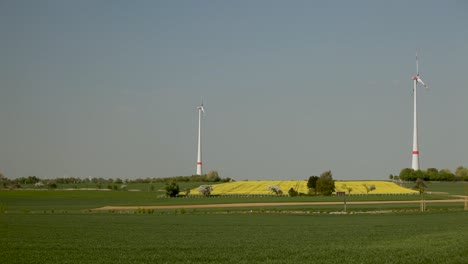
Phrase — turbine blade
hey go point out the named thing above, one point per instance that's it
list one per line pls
(420, 81)
(201, 106)
(417, 62)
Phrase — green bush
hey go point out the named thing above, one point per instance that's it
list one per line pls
(172, 189)
(292, 192)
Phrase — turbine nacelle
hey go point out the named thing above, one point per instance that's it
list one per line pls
(418, 80)
(201, 108)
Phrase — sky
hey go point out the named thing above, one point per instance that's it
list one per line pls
(291, 88)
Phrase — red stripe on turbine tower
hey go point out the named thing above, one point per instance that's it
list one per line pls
(415, 152)
(199, 163)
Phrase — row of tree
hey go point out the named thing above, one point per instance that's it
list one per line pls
(173, 190)
(432, 174)
(212, 176)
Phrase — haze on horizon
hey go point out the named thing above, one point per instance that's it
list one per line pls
(291, 88)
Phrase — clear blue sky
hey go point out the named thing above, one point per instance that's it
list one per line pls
(291, 88)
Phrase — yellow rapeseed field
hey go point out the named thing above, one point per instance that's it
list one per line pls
(381, 187)
(262, 187)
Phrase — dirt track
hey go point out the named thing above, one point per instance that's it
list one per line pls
(267, 204)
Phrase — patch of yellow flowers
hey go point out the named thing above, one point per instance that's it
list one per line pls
(265, 187)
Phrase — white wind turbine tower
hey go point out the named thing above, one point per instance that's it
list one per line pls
(416, 80)
(199, 154)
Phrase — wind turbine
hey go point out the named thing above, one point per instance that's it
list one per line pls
(416, 80)
(199, 154)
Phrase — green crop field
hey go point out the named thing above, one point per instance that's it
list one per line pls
(453, 188)
(34, 201)
(58, 226)
(75, 201)
(439, 237)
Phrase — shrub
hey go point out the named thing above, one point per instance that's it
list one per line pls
(369, 188)
(292, 192)
(275, 189)
(172, 189)
(205, 189)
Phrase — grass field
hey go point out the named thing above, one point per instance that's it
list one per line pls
(453, 188)
(31, 201)
(73, 201)
(57, 226)
(234, 238)
(145, 187)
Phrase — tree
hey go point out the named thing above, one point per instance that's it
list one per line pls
(461, 173)
(369, 188)
(432, 174)
(28, 180)
(213, 176)
(446, 175)
(312, 183)
(418, 174)
(205, 189)
(3, 180)
(420, 185)
(292, 192)
(172, 189)
(349, 189)
(326, 184)
(405, 173)
(275, 189)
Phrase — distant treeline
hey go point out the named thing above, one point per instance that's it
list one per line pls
(432, 174)
(212, 176)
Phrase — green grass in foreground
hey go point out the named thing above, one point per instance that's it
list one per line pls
(234, 238)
